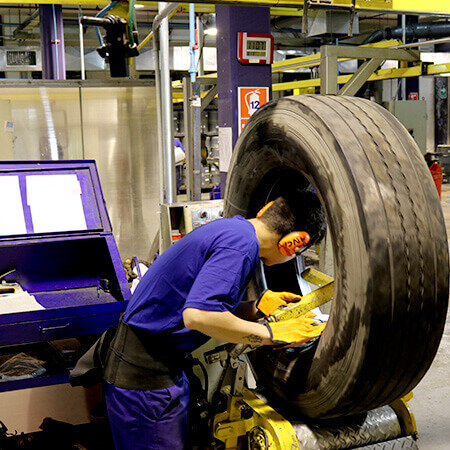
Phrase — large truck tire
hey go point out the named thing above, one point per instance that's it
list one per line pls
(389, 243)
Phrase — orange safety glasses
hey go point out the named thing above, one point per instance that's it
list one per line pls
(292, 242)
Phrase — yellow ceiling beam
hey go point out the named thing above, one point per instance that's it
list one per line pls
(199, 7)
(342, 79)
(435, 69)
(286, 12)
(425, 6)
(281, 7)
(418, 6)
(205, 8)
(59, 2)
(179, 98)
(382, 74)
(314, 59)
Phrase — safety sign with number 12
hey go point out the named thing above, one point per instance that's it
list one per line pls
(250, 99)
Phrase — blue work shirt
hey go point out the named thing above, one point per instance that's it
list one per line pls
(208, 269)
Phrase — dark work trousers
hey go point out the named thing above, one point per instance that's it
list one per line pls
(153, 420)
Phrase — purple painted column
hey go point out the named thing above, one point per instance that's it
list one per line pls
(52, 42)
(231, 73)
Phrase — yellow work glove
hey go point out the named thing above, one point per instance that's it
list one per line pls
(270, 300)
(295, 331)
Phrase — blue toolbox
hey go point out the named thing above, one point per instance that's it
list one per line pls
(61, 275)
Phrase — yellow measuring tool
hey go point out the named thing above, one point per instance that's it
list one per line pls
(316, 298)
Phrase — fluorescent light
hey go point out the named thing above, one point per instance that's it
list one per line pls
(211, 31)
(138, 5)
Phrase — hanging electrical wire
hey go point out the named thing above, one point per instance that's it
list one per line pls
(131, 21)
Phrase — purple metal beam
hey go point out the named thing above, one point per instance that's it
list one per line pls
(52, 42)
(231, 73)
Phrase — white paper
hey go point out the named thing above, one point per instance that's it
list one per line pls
(55, 203)
(225, 148)
(12, 219)
(20, 302)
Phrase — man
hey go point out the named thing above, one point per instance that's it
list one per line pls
(180, 155)
(187, 296)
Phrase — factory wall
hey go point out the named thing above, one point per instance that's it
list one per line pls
(113, 123)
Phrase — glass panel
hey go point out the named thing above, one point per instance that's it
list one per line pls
(120, 133)
(46, 122)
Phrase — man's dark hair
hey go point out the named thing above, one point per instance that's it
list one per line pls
(301, 211)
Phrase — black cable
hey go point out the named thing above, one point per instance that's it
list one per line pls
(205, 376)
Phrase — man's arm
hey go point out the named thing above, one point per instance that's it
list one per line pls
(226, 327)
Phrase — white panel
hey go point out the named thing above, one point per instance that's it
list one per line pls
(181, 58)
(12, 219)
(210, 58)
(426, 92)
(225, 147)
(389, 90)
(55, 203)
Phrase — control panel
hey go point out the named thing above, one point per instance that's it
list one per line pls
(197, 215)
(178, 219)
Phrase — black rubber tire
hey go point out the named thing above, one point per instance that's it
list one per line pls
(389, 242)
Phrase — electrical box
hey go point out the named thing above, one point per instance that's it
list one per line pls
(412, 114)
(178, 219)
(323, 22)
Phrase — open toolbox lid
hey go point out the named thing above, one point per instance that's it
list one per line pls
(56, 241)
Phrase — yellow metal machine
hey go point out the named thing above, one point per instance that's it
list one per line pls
(249, 422)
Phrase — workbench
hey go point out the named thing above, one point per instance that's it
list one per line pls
(57, 245)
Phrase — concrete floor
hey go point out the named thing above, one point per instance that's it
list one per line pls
(431, 401)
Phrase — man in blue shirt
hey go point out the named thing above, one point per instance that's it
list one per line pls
(188, 295)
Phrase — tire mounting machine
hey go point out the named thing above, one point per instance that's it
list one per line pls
(249, 421)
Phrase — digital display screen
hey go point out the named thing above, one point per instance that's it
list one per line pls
(256, 45)
(255, 48)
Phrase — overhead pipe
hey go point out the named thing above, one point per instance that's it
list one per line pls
(201, 43)
(81, 37)
(149, 36)
(286, 22)
(412, 31)
(164, 100)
